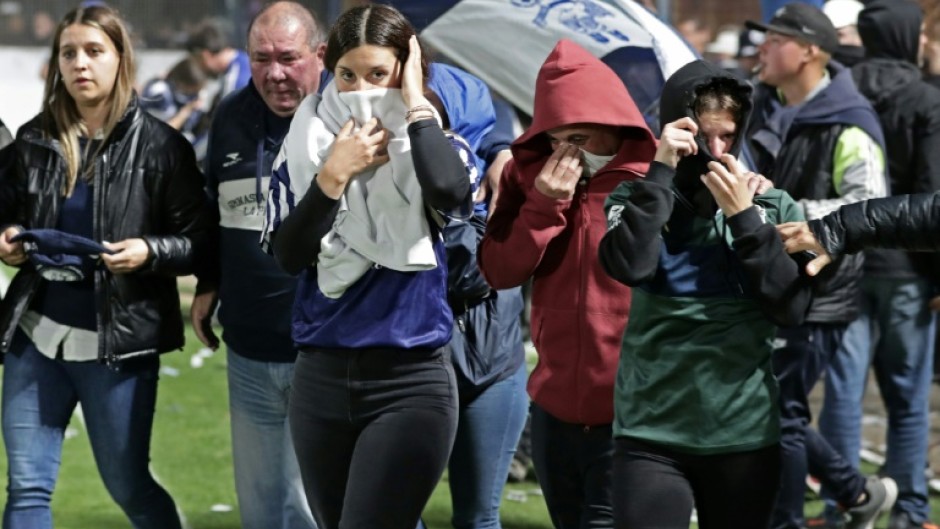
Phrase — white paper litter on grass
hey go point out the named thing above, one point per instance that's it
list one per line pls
(198, 359)
(516, 496)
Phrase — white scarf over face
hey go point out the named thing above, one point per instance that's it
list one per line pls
(382, 219)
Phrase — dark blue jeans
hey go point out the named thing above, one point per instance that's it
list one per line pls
(39, 395)
(373, 430)
(798, 365)
(894, 335)
(573, 464)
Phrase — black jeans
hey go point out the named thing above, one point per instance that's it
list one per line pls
(798, 365)
(373, 430)
(573, 464)
(656, 488)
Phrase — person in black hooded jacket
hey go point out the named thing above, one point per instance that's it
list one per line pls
(696, 412)
(895, 330)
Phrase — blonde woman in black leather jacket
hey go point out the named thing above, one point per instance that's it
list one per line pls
(92, 164)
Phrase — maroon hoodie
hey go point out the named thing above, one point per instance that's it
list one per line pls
(578, 312)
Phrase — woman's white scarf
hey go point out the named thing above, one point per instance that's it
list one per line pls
(382, 219)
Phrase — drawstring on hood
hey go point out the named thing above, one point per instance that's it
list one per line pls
(677, 101)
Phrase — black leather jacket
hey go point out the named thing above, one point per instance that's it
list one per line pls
(904, 222)
(146, 184)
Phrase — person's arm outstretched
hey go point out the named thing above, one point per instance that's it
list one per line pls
(904, 222)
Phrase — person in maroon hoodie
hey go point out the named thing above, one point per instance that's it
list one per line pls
(586, 137)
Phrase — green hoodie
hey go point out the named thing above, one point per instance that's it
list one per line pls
(695, 372)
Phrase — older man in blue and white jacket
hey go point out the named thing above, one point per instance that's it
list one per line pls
(256, 295)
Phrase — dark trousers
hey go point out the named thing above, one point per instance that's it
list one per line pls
(656, 488)
(373, 430)
(573, 465)
(798, 364)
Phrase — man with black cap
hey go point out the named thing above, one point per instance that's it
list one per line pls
(898, 286)
(817, 138)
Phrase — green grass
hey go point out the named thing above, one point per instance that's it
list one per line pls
(191, 456)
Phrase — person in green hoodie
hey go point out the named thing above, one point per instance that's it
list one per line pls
(696, 419)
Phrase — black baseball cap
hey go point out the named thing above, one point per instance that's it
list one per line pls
(802, 21)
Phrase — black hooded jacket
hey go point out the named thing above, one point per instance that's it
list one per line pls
(676, 201)
(676, 103)
(909, 111)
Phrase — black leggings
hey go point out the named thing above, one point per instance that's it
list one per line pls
(656, 488)
(373, 430)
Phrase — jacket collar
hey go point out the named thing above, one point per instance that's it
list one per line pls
(33, 134)
(249, 111)
(131, 114)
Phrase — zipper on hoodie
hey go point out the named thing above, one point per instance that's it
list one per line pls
(585, 262)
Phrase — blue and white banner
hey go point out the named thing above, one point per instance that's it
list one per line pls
(504, 42)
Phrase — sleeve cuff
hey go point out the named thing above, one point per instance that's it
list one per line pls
(745, 222)
(151, 263)
(659, 173)
(415, 126)
(319, 199)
